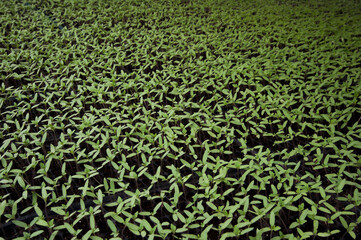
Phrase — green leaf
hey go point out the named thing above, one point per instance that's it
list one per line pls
(205, 156)
(87, 235)
(228, 191)
(38, 211)
(336, 215)
(257, 218)
(352, 234)
(286, 113)
(293, 225)
(304, 214)
(2, 207)
(343, 222)
(42, 222)
(177, 194)
(246, 204)
(5, 144)
(44, 137)
(92, 221)
(329, 206)
(181, 217)
(322, 192)
(20, 224)
(20, 181)
(47, 165)
(35, 234)
(204, 234)
(272, 218)
(146, 224)
(112, 226)
(246, 230)
(229, 235)
(53, 235)
(292, 208)
(117, 218)
(304, 235)
(106, 185)
(323, 234)
(70, 228)
(96, 238)
(309, 201)
(250, 186)
(58, 210)
(168, 207)
(315, 226)
(132, 227)
(100, 196)
(225, 224)
(356, 144)
(341, 185)
(200, 206)
(320, 218)
(324, 210)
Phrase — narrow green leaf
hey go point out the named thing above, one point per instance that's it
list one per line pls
(70, 228)
(322, 192)
(38, 211)
(112, 226)
(205, 156)
(35, 234)
(246, 230)
(341, 185)
(87, 235)
(272, 218)
(20, 224)
(117, 218)
(228, 191)
(5, 144)
(168, 207)
(146, 224)
(42, 222)
(92, 221)
(2, 207)
(323, 234)
(100, 196)
(204, 234)
(225, 224)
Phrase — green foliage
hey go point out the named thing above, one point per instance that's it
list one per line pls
(180, 119)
